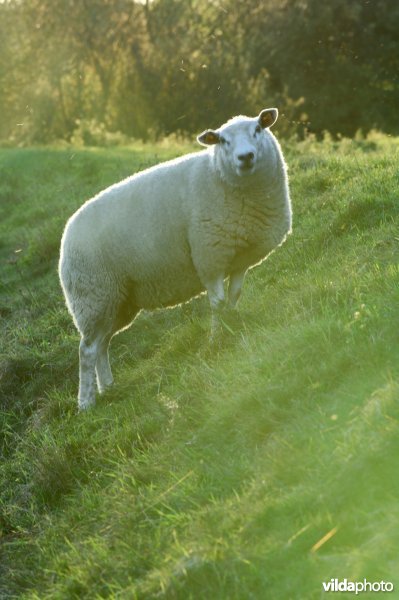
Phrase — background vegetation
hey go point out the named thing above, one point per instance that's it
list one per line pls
(75, 69)
(258, 470)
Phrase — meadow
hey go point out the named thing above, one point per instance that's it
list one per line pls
(259, 468)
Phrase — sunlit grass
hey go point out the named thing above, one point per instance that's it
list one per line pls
(258, 469)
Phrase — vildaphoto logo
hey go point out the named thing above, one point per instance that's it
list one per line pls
(336, 585)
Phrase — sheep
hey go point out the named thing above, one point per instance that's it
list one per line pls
(172, 232)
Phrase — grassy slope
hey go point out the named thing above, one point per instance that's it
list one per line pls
(206, 474)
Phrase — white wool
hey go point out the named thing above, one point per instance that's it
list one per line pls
(171, 232)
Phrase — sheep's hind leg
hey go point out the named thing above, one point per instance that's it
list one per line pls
(93, 360)
(103, 369)
(122, 318)
(88, 351)
(93, 352)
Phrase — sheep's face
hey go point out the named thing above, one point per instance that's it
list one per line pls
(241, 144)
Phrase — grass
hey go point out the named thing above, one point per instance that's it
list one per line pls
(256, 470)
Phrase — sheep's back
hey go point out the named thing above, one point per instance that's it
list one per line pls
(137, 231)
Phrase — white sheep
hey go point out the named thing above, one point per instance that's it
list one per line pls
(171, 232)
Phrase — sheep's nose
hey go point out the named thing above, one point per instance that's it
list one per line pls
(246, 158)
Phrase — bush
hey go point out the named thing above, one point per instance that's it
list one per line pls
(89, 132)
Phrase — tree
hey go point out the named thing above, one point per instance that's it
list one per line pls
(167, 65)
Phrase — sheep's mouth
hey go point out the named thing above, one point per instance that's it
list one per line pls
(246, 169)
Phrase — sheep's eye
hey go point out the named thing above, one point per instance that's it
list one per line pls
(258, 129)
(223, 141)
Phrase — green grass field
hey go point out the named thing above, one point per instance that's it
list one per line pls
(256, 470)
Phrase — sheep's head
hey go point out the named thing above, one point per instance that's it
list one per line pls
(241, 144)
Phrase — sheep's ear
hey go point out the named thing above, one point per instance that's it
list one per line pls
(268, 117)
(208, 138)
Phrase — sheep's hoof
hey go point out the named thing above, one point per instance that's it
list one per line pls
(84, 406)
(104, 388)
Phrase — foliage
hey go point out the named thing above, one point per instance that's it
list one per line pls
(206, 473)
(165, 65)
(92, 133)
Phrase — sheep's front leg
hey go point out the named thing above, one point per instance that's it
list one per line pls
(235, 286)
(215, 289)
